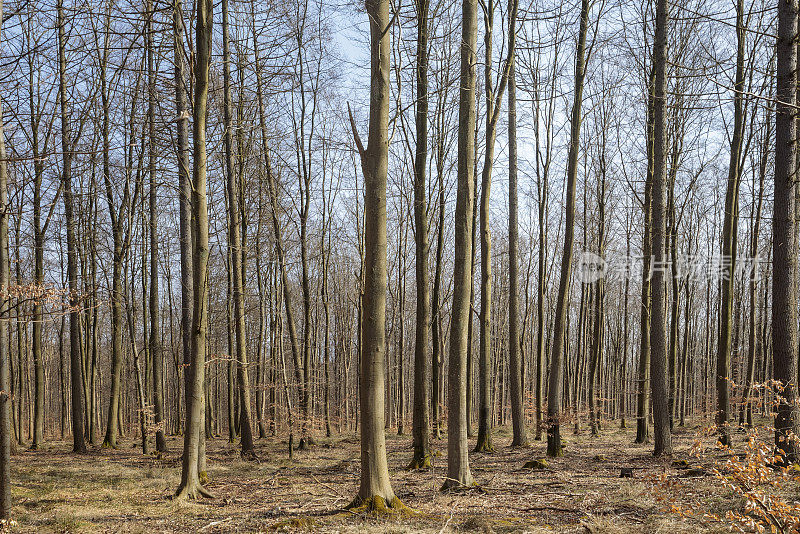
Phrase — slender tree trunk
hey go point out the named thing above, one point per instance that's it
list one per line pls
(421, 416)
(5, 274)
(484, 441)
(78, 441)
(643, 372)
(437, 334)
(784, 274)
(458, 472)
(235, 251)
(599, 296)
(729, 233)
(375, 491)
(520, 438)
(276, 225)
(562, 304)
(193, 445)
(753, 341)
(156, 352)
(658, 359)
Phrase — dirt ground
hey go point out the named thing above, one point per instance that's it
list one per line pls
(123, 491)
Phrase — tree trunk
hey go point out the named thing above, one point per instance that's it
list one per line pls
(5, 382)
(421, 416)
(643, 371)
(658, 358)
(753, 341)
(190, 486)
(78, 440)
(729, 234)
(562, 304)
(458, 472)
(784, 302)
(375, 490)
(156, 352)
(520, 438)
(235, 251)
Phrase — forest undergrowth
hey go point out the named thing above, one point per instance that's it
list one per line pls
(123, 491)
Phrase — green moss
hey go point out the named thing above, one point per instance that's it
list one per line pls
(204, 478)
(420, 464)
(536, 464)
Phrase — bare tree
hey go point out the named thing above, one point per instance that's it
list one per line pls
(784, 294)
(190, 486)
(375, 490)
(658, 347)
(562, 304)
(458, 472)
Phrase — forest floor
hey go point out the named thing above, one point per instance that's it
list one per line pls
(123, 491)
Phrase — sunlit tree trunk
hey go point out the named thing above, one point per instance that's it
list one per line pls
(5, 381)
(421, 415)
(235, 247)
(78, 440)
(729, 234)
(375, 490)
(190, 485)
(562, 303)
(458, 472)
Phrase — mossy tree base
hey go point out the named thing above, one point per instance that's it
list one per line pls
(379, 506)
(485, 446)
(420, 463)
(107, 444)
(554, 446)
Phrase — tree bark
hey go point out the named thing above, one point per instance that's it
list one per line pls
(658, 358)
(190, 486)
(78, 440)
(458, 472)
(5, 274)
(235, 251)
(520, 438)
(562, 304)
(784, 302)
(421, 416)
(729, 234)
(375, 490)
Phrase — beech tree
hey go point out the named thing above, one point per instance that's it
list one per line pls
(191, 477)
(375, 490)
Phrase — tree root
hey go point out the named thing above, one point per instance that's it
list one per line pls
(249, 456)
(192, 491)
(377, 506)
(452, 485)
(108, 445)
(484, 447)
